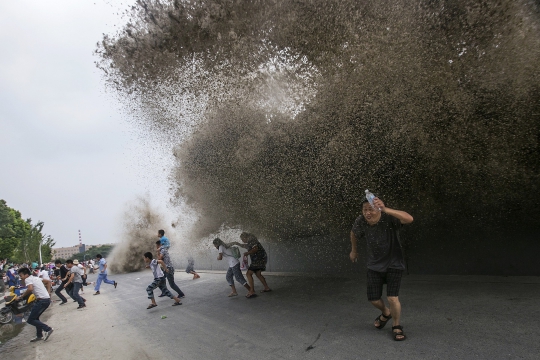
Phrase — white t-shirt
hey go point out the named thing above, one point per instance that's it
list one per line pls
(227, 253)
(156, 269)
(44, 274)
(40, 291)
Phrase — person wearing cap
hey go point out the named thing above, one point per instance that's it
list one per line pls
(75, 278)
(102, 274)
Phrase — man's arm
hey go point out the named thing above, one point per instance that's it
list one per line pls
(245, 246)
(402, 216)
(104, 268)
(220, 256)
(354, 253)
(162, 263)
(69, 280)
(47, 284)
(29, 290)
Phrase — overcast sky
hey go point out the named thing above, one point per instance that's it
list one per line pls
(68, 156)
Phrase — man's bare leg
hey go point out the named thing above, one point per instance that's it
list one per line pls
(233, 291)
(379, 304)
(395, 310)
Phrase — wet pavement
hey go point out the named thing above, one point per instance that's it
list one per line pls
(316, 317)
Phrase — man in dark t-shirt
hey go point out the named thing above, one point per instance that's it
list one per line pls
(379, 227)
(61, 275)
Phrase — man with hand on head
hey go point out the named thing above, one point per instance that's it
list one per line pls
(379, 227)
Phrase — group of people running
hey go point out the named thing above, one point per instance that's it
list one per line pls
(378, 226)
(70, 277)
(163, 269)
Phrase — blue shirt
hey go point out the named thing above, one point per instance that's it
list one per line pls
(165, 242)
(102, 263)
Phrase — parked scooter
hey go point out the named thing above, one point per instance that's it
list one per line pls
(16, 307)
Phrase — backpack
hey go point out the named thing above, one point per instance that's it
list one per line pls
(235, 251)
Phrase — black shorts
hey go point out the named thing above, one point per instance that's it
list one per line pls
(376, 280)
(256, 268)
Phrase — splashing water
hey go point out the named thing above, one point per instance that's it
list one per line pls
(282, 112)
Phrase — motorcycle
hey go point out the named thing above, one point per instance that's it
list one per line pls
(15, 307)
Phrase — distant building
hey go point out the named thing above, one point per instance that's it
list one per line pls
(68, 252)
(65, 252)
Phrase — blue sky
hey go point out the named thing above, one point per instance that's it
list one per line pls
(68, 156)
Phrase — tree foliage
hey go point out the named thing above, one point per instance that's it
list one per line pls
(12, 229)
(104, 250)
(20, 239)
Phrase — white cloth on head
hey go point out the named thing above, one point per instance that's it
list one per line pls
(229, 255)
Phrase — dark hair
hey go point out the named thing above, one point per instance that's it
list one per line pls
(57, 262)
(43, 268)
(158, 242)
(69, 261)
(161, 232)
(217, 242)
(365, 201)
(24, 271)
(98, 256)
(249, 236)
(148, 255)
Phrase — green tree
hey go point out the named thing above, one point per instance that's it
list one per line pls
(12, 230)
(104, 250)
(28, 249)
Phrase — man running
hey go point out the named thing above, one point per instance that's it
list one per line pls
(163, 254)
(159, 281)
(102, 274)
(60, 273)
(75, 280)
(43, 300)
(379, 227)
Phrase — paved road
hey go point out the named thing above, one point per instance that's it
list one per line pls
(329, 318)
(303, 318)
